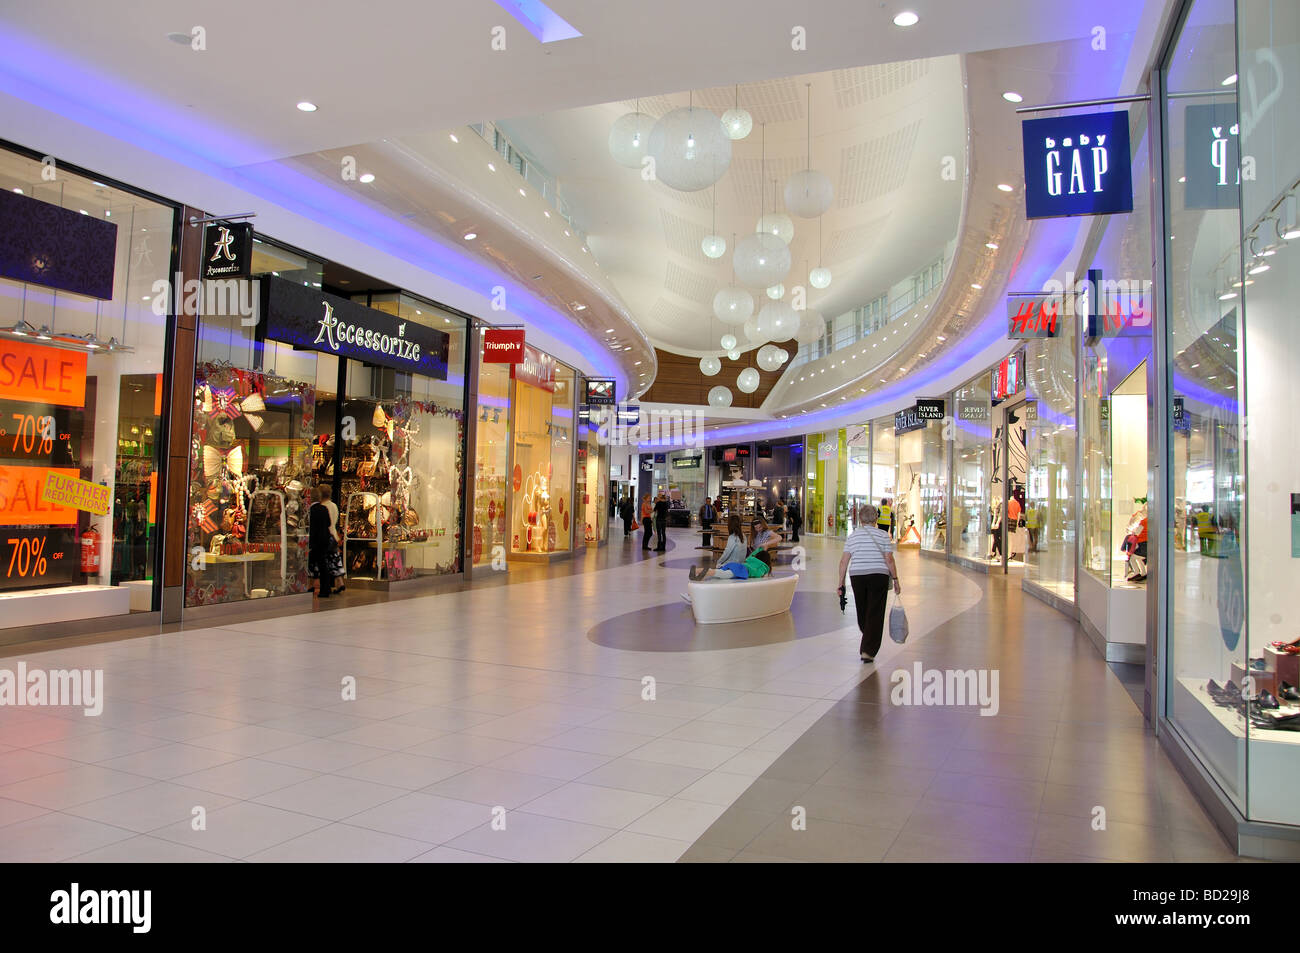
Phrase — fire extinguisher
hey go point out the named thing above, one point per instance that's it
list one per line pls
(90, 551)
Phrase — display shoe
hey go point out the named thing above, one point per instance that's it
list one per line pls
(1266, 700)
(1283, 643)
(1292, 650)
(1288, 692)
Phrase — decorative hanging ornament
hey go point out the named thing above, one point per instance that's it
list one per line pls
(748, 380)
(812, 327)
(733, 305)
(629, 138)
(734, 354)
(719, 397)
(710, 366)
(820, 277)
(690, 148)
(777, 224)
(714, 246)
(776, 292)
(769, 357)
(778, 321)
(738, 122)
(761, 260)
(728, 342)
(808, 193)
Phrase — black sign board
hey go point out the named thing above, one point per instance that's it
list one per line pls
(600, 391)
(312, 320)
(42, 244)
(1182, 422)
(930, 408)
(661, 458)
(1077, 165)
(686, 463)
(905, 421)
(227, 250)
(765, 451)
(742, 451)
(1210, 159)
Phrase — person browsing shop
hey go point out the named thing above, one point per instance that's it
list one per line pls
(708, 516)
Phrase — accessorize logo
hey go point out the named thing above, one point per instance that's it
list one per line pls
(332, 331)
(56, 688)
(102, 907)
(221, 248)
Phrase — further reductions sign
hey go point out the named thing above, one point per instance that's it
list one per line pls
(1210, 159)
(309, 319)
(1077, 165)
(503, 345)
(227, 250)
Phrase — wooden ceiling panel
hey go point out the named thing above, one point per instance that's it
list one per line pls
(679, 380)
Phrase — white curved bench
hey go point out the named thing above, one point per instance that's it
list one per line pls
(738, 600)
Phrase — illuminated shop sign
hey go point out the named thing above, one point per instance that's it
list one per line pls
(537, 369)
(930, 408)
(1033, 316)
(1210, 158)
(309, 319)
(1115, 308)
(905, 421)
(503, 345)
(686, 463)
(34, 372)
(600, 391)
(1182, 421)
(227, 250)
(61, 248)
(1008, 377)
(1077, 165)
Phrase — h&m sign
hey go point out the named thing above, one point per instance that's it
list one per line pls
(1077, 165)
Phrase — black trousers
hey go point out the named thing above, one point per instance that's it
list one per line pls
(794, 530)
(661, 530)
(647, 525)
(870, 592)
(627, 526)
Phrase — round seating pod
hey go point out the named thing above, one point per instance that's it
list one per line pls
(739, 600)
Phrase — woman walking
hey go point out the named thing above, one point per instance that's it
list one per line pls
(324, 562)
(869, 562)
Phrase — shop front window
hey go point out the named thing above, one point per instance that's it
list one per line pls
(972, 469)
(542, 474)
(491, 464)
(81, 396)
(884, 470)
(1049, 487)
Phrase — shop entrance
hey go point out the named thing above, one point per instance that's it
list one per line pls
(1010, 536)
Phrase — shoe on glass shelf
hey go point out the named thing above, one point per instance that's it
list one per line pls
(1288, 692)
(1266, 700)
(1284, 643)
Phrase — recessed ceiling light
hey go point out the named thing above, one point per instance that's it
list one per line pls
(636, 364)
(1003, 187)
(566, 231)
(307, 107)
(628, 348)
(993, 245)
(906, 18)
(1182, 178)
(367, 178)
(974, 284)
(610, 331)
(546, 213)
(19, 191)
(470, 236)
(523, 192)
(1230, 80)
(492, 167)
(83, 211)
(1013, 97)
(453, 137)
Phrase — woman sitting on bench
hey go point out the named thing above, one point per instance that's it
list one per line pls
(731, 565)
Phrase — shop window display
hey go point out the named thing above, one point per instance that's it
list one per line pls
(972, 469)
(1049, 487)
(81, 396)
(884, 469)
(491, 464)
(541, 478)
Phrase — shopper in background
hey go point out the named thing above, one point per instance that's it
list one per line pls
(778, 516)
(796, 520)
(734, 564)
(708, 516)
(885, 516)
(869, 562)
(626, 514)
(647, 520)
(661, 522)
(324, 561)
(762, 541)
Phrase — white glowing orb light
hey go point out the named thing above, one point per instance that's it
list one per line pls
(629, 138)
(778, 224)
(812, 328)
(820, 277)
(761, 260)
(719, 396)
(714, 246)
(734, 354)
(710, 366)
(690, 148)
(769, 357)
(809, 193)
(738, 123)
(776, 292)
(748, 380)
(728, 342)
(753, 333)
(778, 321)
(733, 305)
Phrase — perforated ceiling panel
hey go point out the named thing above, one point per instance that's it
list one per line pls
(677, 316)
(690, 284)
(776, 100)
(652, 105)
(682, 235)
(876, 167)
(701, 199)
(855, 241)
(748, 172)
(859, 85)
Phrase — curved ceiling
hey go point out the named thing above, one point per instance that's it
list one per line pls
(881, 134)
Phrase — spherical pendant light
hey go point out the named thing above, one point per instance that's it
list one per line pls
(629, 138)
(753, 333)
(719, 396)
(728, 342)
(808, 193)
(761, 260)
(769, 357)
(734, 354)
(778, 321)
(778, 224)
(776, 292)
(710, 366)
(738, 123)
(783, 354)
(690, 148)
(820, 277)
(748, 380)
(812, 328)
(733, 305)
(714, 246)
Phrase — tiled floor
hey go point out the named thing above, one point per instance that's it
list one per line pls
(491, 724)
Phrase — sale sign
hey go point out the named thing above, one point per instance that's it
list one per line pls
(41, 374)
(65, 490)
(22, 497)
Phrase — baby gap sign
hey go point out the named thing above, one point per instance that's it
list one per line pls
(1077, 165)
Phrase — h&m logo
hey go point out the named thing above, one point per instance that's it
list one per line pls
(1083, 152)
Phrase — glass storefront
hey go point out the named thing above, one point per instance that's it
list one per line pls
(1231, 169)
(491, 463)
(541, 477)
(1049, 485)
(972, 469)
(82, 357)
(884, 468)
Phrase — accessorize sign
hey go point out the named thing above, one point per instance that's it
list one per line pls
(1077, 165)
(36, 373)
(503, 345)
(64, 490)
(312, 320)
(1033, 316)
(43, 244)
(537, 369)
(227, 250)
